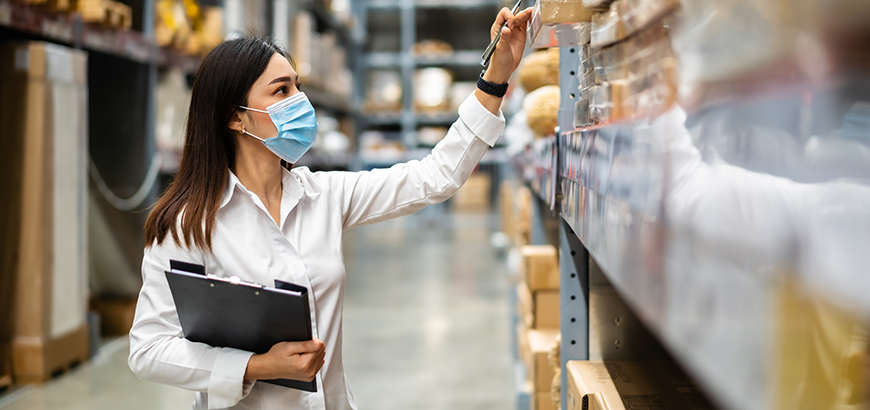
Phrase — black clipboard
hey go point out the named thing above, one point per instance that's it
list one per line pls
(224, 312)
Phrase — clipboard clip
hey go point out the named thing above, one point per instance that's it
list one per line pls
(235, 280)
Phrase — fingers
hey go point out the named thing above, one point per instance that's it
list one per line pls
(520, 20)
(310, 346)
(503, 15)
(314, 363)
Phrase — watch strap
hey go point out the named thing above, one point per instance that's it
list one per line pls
(497, 90)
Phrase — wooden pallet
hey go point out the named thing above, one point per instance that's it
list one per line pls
(36, 361)
(5, 365)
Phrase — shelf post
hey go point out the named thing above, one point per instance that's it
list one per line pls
(569, 82)
(573, 301)
(409, 32)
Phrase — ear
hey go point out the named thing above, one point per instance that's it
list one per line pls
(236, 123)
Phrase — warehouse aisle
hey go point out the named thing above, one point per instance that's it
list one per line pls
(426, 327)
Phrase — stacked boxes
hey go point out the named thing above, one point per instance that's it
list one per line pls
(43, 106)
(320, 60)
(538, 293)
(627, 68)
(538, 305)
(474, 194)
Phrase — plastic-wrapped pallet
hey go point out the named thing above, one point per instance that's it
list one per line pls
(44, 102)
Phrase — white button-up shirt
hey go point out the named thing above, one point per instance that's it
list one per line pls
(306, 249)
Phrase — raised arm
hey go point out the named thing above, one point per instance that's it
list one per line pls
(373, 196)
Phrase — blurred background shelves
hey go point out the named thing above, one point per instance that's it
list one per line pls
(393, 4)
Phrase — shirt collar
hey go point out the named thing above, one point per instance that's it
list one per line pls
(289, 184)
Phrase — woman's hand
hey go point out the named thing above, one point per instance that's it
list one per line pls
(509, 50)
(288, 360)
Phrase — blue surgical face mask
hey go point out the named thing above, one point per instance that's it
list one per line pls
(297, 127)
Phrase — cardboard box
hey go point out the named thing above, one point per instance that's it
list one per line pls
(44, 106)
(626, 385)
(116, 314)
(565, 11)
(522, 215)
(539, 309)
(540, 265)
(543, 401)
(538, 369)
(474, 194)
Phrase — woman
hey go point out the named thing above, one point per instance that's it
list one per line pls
(234, 208)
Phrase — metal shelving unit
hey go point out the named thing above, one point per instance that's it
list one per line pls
(408, 120)
(725, 231)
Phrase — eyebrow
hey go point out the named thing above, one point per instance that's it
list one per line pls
(280, 80)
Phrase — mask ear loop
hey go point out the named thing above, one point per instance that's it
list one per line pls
(246, 132)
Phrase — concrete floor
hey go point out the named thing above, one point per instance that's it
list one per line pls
(426, 326)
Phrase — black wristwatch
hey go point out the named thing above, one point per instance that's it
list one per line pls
(493, 89)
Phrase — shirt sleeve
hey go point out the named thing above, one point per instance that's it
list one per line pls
(372, 196)
(159, 352)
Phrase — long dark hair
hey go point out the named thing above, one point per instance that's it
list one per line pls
(222, 83)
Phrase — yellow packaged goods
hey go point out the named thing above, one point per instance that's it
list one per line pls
(540, 341)
(540, 264)
(95, 11)
(626, 385)
(44, 114)
(564, 11)
(542, 107)
(539, 69)
(125, 16)
(212, 32)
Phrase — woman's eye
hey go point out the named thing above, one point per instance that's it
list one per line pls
(298, 86)
(281, 90)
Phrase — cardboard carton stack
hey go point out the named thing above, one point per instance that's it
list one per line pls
(43, 106)
(474, 194)
(538, 305)
(321, 60)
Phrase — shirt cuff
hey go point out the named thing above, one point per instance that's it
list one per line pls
(480, 121)
(227, 377)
